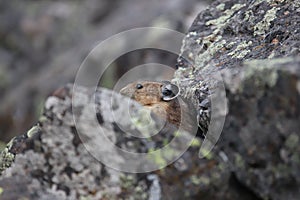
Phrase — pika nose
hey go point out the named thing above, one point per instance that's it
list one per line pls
(126, 92)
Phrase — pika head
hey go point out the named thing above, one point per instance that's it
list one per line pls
(149, 93)
(159, 97)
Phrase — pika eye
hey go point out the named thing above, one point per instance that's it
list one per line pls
(139, 86)
(169, 91)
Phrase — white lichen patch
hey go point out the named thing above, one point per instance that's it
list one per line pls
(230, 45)
(267, 1)
(193, 33)
(221, 6)
(221, 21)
(241, 50)
(260, 1)
(144, 122)
(249, 16)
(33, 131)
(51, 101)
(218, 43)
(297, 4)
(201, 60)
(264, 25)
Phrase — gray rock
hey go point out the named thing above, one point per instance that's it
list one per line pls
(254, 47)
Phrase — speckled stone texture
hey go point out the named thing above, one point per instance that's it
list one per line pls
(56, 159)
(56, 165)
(229, 33)
(254, 45)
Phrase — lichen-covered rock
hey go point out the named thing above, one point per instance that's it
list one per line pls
(40, 40)
(65, 155)
(52, 162)
(229, 33)
(254, 46)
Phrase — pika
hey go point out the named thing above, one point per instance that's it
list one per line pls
(159, 97)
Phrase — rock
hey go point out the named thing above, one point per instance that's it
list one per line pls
(39, 46)
(251, 159)
(254, 47)
(54, 162)
(66, 159)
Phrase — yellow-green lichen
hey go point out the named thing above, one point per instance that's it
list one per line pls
(204, 180)
(230, 45)
(157, 158)
(178, 73)
(215, 45)
(144, 123)
(10, 143)
(260, 1)
(165, 141)
(195, 180)
(292, 141)
(241, 50)
(221, 6)
(6, 158)
(43, 119)
(196, 142)
(127, 181)
(267, 1)
(161, 157)
(249, 16)
(221, 167)
(206, 153)
(33, 131)
(128, 184)
(295, 158)
(239, 161)
(221, 21)
(201, 60)
(169, 153)
(264, 25)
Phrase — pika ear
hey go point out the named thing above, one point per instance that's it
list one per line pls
(169, 91)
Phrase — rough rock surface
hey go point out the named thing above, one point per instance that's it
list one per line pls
(254, 45)
(230, 33)
(40, 40)
(260, 139)
(56, 163)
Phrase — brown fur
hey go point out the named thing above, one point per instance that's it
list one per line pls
(150, 96)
